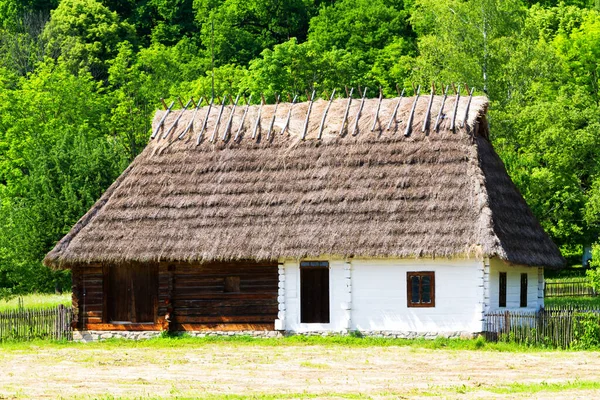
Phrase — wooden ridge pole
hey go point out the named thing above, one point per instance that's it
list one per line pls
(439, 116)
(320, 134)
(213, 137)
(464, 121)
(428, 113)
(257, 123)
(411, 116)
(230, 120)
(177, 120)
(205, 121)
(376, 118)
(346, 112)
(189, 126)
(395, 112)
(162, 120)
(289, 115)
(362, 103)
(310, 103)
(273, 118)
(455, 109)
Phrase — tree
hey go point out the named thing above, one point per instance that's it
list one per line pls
(240, 29)
(85, 34)
(56, 158)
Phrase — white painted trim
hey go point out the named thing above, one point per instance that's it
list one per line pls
(280, 321)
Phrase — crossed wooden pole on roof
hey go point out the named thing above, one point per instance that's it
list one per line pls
(345, 125)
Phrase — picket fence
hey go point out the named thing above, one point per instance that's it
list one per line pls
(28, 324)
(554, 327)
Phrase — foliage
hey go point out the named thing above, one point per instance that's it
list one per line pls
(85, 34)
(587, 331)
(594, 273)
(56, 160)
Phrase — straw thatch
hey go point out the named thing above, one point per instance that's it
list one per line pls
(375, 194)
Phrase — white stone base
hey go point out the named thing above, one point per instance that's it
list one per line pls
(392, 334)
(91, 336)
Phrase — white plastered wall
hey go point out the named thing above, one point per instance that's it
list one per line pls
(371, 295)
(535, 286)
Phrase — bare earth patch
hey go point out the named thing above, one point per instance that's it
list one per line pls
(291, 371)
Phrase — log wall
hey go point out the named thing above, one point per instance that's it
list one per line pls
(216, 296)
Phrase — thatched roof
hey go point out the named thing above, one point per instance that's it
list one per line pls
(376, 194)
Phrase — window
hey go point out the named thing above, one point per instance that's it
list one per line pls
(131, 293)
(523, 290)
(502, 290)
(314, 292)
(420, 289)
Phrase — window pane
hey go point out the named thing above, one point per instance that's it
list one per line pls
(414, 283)
(426, 289)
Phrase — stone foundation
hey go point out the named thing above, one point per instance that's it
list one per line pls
(91, 336)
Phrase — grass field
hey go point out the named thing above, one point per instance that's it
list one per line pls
(569, 301)
(245, 368)
(36, 300)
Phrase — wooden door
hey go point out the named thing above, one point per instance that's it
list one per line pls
(132, 293)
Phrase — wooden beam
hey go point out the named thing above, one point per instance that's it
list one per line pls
(362, 103)
(273, 118)
(376, 117)
(189, 126)
(213, 137)
(455, 109)
(440, 113)
(177, 119)
(205, 121)
(428, 113)
(237, 134)
(256, 125)
(289, 115)
(123, 327)
(395, 112)
(464, 121)
(412, 113)
(310, 103)
(162, 120)
(230, 120)
(325, 115)
(226, 327)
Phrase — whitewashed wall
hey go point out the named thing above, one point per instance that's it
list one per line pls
(370, 295)
(535, 286)
(379, 296)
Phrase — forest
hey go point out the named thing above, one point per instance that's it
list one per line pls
(80, 81)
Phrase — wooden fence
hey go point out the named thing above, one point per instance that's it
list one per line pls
(28, 324)
(555, 327)
(572, 287)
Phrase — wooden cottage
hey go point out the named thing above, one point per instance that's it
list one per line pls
(365, 214)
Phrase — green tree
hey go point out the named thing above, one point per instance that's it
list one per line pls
(56, 158)
(85, 34)
(243, 28)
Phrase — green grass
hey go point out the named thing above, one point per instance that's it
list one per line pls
(36, 300)
(568, 301)
(331, 341)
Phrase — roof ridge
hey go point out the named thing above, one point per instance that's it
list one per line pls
(320, 119)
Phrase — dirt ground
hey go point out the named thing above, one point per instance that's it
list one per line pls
(294, 372)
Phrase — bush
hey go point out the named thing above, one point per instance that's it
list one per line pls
(586, 334)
